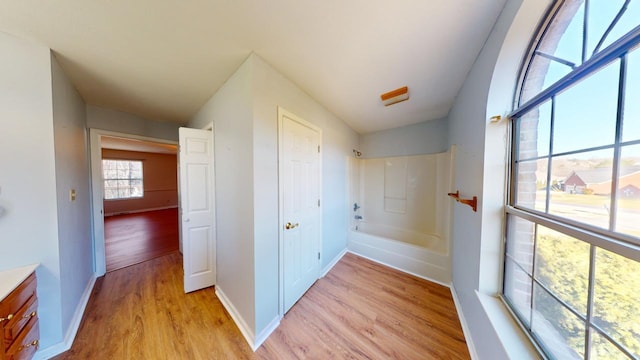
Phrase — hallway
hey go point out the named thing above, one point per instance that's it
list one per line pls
(134, 238)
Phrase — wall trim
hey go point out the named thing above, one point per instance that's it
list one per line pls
(465, 327)
(246, 331)
(333, 263)
(74, 325)
(141, 210)
(264, 334)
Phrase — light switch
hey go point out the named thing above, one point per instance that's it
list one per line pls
(72, 194)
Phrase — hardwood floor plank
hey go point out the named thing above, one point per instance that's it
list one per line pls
(360, 310)
(133, 238)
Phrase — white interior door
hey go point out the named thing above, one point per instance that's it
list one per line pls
(300, 205)
(197, 211)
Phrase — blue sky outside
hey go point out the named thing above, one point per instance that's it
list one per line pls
(586, 112)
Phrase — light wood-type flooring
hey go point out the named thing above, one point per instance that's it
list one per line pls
(360, 310)
(133, 238)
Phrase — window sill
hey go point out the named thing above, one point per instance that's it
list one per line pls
(512, 338)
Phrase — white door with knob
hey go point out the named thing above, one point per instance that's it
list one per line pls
(197, 211)
(300, 206)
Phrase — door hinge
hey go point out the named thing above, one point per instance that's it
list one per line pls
(318, 256)
(318, 202)
(318, 149)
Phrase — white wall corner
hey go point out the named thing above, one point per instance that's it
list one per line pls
(465, 326)
(333, 263)
(245, 329)
(74, 325)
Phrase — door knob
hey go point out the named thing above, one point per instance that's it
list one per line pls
(290, 225)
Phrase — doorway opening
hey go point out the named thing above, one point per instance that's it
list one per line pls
(140, 200)
(135, 199)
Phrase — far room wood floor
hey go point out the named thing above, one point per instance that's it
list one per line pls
(360, 310)
(133, 238)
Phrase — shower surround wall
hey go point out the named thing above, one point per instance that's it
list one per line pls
(405, 212)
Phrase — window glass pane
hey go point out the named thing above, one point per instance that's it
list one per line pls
(628, 211)
(559, 330)
(562, 265)
(628, 22)
(520, 242)
(585, 114)
(123, 179)
(535, 130)
(616, 305)
(584, 191)
(532, 184)
(517, 288)
(601, 348)
(631, 122)
(601, 14)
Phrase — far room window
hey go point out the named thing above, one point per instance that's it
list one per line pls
(572, 252)
(122, 179)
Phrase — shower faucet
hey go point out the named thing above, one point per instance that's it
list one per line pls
(358, 217)
(355, 207)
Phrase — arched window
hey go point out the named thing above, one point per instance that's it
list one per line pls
(572, 254)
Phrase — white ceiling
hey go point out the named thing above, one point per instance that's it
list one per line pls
(163, 59)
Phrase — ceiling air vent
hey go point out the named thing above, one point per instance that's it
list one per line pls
(395, 96)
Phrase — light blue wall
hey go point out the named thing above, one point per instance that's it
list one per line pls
(270, 90)
(244, 113)
(29, 226)
(481, 163)
(72, 172)
(230, 109)
(428, 137)
(43, 155)
(118, 121)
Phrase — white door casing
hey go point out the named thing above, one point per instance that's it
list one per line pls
(197, 208)
(300, 214)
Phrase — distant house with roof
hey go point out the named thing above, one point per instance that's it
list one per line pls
(598, 182)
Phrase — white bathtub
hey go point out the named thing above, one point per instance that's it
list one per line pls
(432, 242)
(424, 255)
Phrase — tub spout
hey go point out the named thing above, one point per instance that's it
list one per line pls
(358, 217)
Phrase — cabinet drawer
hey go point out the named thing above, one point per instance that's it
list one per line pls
(16, 299)
(27, 342)
(14, 326)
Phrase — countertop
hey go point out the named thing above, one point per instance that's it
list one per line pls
(11, 278)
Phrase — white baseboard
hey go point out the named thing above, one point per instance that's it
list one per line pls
(333, 263)
(235, 315)
(264, 334)
(465, 326)
(74, 325)
(140, 210)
